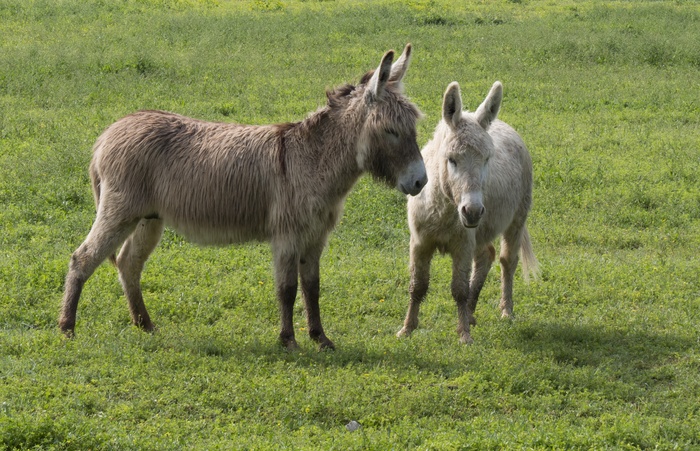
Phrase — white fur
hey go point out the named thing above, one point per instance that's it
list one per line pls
(490, 166)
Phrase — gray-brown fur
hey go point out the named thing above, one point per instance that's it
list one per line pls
(225, 183)
(479, 187)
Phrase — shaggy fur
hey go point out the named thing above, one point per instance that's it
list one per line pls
(479, 187)
(225, 183)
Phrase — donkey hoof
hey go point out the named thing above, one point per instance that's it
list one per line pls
(68, 333)
(506, 315)
(326, 345)
(149, 328)
(323, 341)
(466, 339)
(289, 343)
(404, 332)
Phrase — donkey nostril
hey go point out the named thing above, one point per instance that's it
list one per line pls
(482, 211)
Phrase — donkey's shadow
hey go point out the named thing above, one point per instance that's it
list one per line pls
(631, 354)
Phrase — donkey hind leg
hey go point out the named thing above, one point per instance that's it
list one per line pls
(286, 265)
(310, 286)
(104, 238)
(130, 262)
(510, 249)
(483, 259)
(461, 268)
(419, 267)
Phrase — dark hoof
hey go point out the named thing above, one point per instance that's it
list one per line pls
(323, 341)
(325, 345)
(148, 328)
(290, 344)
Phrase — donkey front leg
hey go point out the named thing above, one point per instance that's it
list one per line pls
(483, 259)
(461, 269)
(310, 287)
(286, 277)
(420, 258)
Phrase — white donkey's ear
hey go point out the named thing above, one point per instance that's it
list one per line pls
(379, 79)
(488, 110)
(398, 69)
(452, 105)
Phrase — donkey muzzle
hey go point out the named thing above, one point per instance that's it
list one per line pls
(413, 179)
(470, 215)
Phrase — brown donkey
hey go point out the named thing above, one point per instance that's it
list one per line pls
(223, 183)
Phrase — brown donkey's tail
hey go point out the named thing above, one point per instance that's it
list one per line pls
(530, 265)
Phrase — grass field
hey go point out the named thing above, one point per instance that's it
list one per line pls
(605, 349)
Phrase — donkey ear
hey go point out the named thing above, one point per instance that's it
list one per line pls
(379, 79)
(488, 110)
(398, 69)
(452, 105)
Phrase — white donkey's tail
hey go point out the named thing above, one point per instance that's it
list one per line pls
(527, 255)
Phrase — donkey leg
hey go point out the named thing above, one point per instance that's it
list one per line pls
(286, 279)
(461, 268)
(130, 262)
(104, 238)
(510, 248)
(420, 258)
(310, 283)
(480, 269)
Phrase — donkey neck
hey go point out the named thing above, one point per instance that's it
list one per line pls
(324, 146)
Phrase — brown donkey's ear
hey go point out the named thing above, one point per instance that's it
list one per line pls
(452, 105)
(399, 68)
(376, 84)
(488, 110)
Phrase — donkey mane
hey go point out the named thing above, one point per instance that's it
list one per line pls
(337, 96)
(282, 130)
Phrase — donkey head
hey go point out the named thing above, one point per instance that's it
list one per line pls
(387, 148)
(467, 148)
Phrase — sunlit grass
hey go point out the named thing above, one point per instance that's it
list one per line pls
(604, 349)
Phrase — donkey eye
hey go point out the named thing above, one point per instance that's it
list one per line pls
(452, 161)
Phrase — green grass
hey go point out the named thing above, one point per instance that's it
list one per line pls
(604, 353)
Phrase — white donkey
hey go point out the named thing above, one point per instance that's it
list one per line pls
(479, 187)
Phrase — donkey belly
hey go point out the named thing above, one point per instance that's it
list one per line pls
(207, 235)
(217, 220)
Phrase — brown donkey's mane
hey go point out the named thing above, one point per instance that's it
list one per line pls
(282, 130)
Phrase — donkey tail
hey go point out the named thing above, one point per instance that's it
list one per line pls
(527, 255)
(96, 190)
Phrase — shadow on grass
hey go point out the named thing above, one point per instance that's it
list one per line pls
(566, 352)
(593, 345)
